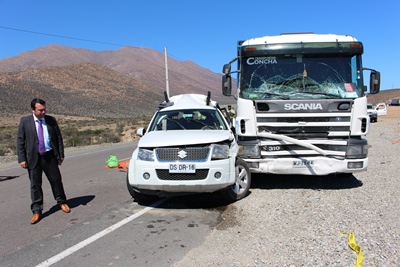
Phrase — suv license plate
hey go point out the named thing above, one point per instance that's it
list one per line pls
(182, 168)
(302, 164)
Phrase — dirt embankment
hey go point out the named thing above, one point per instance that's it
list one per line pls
(392, 118)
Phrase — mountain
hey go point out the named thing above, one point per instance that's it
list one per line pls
(125, 82)
(384, 96)
(82, 89)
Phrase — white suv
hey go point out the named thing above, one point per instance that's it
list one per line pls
(188, 147)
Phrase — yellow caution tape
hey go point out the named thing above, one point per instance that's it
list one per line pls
(353, 245)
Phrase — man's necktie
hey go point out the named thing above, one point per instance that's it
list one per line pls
(42, 147)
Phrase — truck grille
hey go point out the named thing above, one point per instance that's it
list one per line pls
(200, 174)
(326, 131)
(182, 154)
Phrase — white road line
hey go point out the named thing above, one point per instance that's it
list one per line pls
(93, 238)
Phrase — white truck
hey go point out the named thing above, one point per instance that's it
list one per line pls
(188, 147)
(301, 104)
(381, 109)
(372, 113)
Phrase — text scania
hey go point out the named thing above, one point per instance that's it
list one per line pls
(303, 106)
(261, 60)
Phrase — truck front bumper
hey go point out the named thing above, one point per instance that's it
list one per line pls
(306, 166)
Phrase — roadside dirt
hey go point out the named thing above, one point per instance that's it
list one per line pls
(392, 118)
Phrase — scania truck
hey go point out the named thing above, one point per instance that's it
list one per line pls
(301, 103)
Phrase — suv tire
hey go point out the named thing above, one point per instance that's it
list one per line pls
(241, 187)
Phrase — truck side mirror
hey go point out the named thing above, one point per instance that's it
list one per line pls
(226, 69)
(226, 85)
(374, 82)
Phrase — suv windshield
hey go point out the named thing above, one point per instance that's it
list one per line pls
(188, 119)
(301, 77)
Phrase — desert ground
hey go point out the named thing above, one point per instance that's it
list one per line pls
(392, 118)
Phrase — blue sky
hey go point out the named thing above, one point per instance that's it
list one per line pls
(204, 32)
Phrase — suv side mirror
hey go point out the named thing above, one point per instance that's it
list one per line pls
(141, 131)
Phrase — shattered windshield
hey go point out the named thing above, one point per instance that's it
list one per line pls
(301, 77)
(188, 119)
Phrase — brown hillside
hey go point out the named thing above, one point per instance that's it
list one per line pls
(145, 65)
(384, 96)
(83, 89)
(80, 82)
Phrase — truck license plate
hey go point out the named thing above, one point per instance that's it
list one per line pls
(303, 164)
(182, 168)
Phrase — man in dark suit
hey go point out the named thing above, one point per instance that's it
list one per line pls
(40, 149)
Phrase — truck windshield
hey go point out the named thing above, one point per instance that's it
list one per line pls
(301, 77)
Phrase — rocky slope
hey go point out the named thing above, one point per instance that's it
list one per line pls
(80, 82)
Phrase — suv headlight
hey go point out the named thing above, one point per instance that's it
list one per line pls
(145, 154)
(220, 152)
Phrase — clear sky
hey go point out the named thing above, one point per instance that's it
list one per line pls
(204, 32)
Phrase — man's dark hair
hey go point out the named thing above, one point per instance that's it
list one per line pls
(37, 100)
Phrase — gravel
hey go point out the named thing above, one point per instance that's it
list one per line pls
(305, 221)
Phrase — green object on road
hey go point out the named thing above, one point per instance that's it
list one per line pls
(112, 161)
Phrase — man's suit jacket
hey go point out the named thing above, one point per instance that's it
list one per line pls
(28, 143)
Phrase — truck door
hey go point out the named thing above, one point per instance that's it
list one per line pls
(381, 109)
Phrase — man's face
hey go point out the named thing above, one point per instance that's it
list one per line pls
(39, 111)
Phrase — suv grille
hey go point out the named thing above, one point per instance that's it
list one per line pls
(182, 154)
(200, 174)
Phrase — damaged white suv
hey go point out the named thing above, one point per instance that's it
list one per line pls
(188, 147)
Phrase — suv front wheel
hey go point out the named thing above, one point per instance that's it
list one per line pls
(139, 197)
(242, 184)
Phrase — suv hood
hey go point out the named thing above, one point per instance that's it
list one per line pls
(181, 137)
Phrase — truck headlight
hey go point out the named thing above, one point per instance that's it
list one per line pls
(220, 152)
(252, 151)
(145, 154)
(357, 148)
(357, 151)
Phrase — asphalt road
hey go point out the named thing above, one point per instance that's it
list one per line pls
(105, 227)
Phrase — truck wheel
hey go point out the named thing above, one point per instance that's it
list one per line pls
(139, 197)
(241, 187)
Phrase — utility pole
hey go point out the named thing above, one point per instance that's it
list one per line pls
(166, 71)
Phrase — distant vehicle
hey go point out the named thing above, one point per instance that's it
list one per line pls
(394, 102)
(373, 114)
(188, 147)
(381, 109)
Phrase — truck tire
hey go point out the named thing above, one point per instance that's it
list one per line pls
(241, 187)
(139, 197)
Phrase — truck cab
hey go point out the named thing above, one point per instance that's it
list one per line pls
(301, 103)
